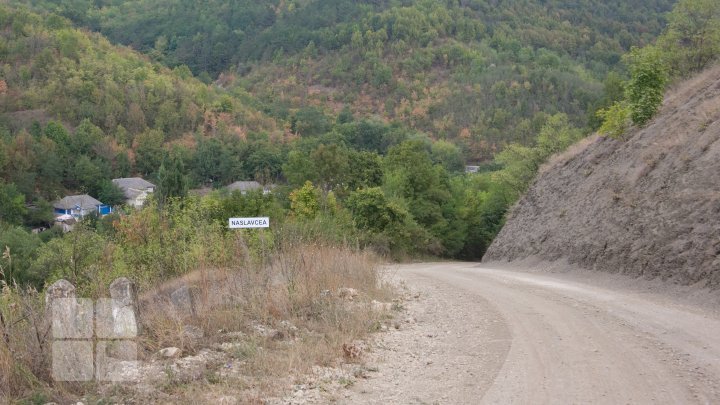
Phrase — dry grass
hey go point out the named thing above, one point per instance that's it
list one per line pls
(683, 90)
(24, 342)
(292, 293)
(293, 298)
(569, 153)
(298, 285)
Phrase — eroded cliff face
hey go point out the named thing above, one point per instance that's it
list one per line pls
(647, 206)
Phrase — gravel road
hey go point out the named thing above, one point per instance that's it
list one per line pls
(481, 335)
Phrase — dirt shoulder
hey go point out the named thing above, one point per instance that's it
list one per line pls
(447, 346)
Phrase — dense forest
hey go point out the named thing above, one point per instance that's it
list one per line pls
(363, 115)
(482, 74)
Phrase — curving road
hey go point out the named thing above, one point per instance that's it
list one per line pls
(481, 335)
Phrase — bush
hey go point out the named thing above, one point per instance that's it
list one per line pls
(305, 201)
(615, 120)
(645, 90)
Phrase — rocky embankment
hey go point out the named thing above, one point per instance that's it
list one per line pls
(646, 206)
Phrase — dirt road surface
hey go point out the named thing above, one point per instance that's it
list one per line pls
(477, 335)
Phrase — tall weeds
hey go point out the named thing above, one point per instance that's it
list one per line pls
(284, 280)
(24, 341)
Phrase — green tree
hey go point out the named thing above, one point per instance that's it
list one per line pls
(345, 116)
(208, 160)
(371, 211)
(12, 204)
(309, 121)
(484, 206)
(76, 257)
(615, 119)
(36, 129)
(51, 167)
(21, 168)
(172, 180)
(3, 154)
(299, 168)
(86, 136)
(331, 163)
(645, 90)
(364, 171)
(40, 213)
(87, 175)
(692, 38)
(448, 155)
(556, 135)
(149, 152)
(264, 161)
(122, 136)
(18, 249)
(122, 166)
(411, 175)
(111, 194)
(305, 201)
(365, 134)
(521, 163)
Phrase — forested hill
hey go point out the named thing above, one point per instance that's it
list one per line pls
(480, 73)
(48, 63)
(371, 110)
(76, 111)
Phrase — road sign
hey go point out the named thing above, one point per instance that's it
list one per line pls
(259, 222)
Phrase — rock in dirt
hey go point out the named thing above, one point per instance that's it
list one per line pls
(193, 334)
(380, 306)
(184, 299)
(267, 331)
(170, 352)
(352, 350)
(347, 293)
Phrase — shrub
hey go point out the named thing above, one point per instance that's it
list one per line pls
(305, 201)
(645, 90)
(615, 120)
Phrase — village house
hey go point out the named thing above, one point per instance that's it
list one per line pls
(79, 206)
(136, 190)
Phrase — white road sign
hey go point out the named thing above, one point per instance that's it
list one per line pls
(260, 222)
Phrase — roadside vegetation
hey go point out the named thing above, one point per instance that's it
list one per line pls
(289, 280)
(689, 44)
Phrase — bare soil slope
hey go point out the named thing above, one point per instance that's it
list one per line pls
(647, 206)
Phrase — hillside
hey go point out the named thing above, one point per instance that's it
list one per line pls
(480, 73)
(76, 110)
(648, 206)
(49, 64)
